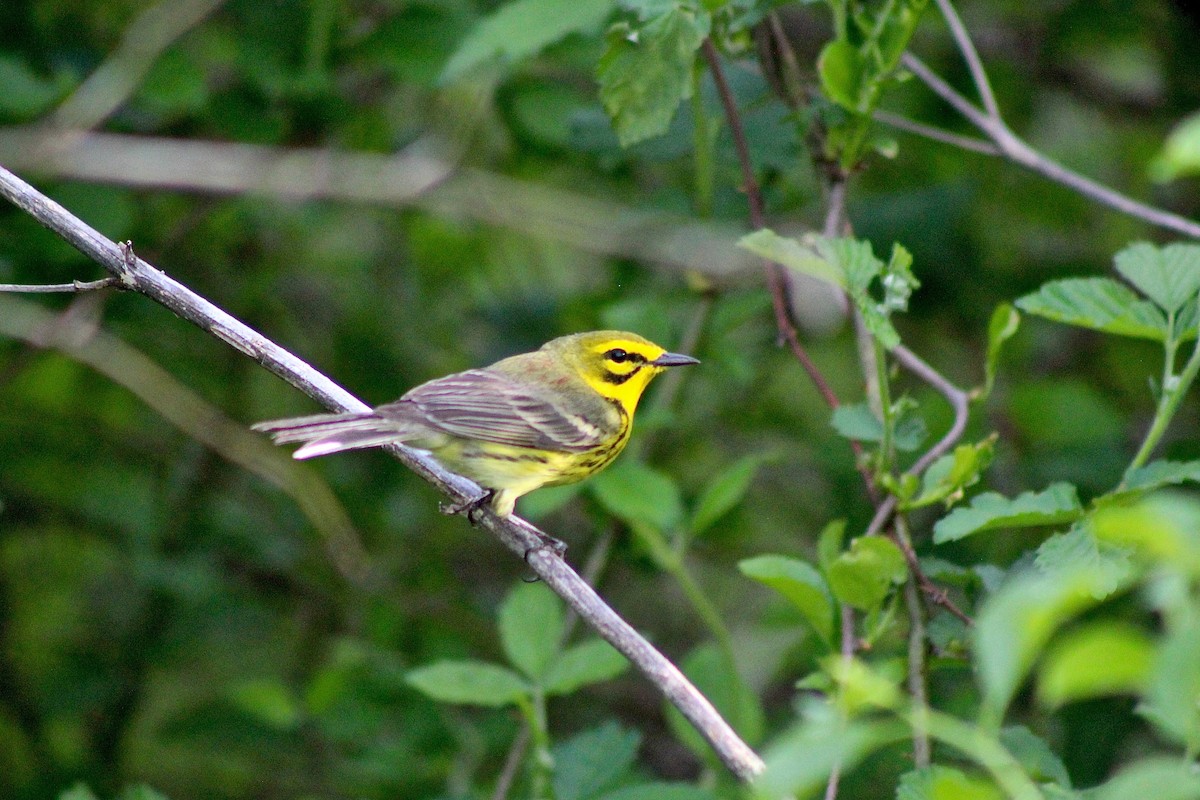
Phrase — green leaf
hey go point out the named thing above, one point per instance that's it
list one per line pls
(141, 792)
(79, 791)
(475, 683)
(857, 421)
(800, 583)
(1001, 327)
(269, 701)
(1173, 694)
(1035, 755)
(1180, 153)
(592, 761)
(841, 70)
(1078, 549)
(646, 72)
(660, 790)
(947, 477)
(863, 575)
(829, 543)
(1163, 528)
(1053, 506)
(724, 491)
(1157, 474)
(1157, 777)
(944, 783)
(805, 257)
(1101, 304)
(799, 761)
(712, 674)
(25, 94)
(1100, 659)
(1016, 622)
(638, 494)
(523, 28)
(1170, 276)
(592, 661)
(531, 625)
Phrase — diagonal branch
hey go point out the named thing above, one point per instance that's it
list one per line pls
(1017, 150)
(516, 534)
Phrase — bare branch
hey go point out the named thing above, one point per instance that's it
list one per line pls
(118, 77)
(420, 175)
(1018, 151)
(957, 398)
(971, 56)
(47, 288)
(937, 134)
(517, 534)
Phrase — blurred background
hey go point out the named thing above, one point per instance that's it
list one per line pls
(182, 605)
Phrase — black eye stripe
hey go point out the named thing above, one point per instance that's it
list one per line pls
(619, 356)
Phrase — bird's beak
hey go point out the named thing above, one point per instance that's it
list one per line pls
(673, 360)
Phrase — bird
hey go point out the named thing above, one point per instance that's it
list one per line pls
(550, 417)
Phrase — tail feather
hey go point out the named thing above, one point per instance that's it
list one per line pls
(322, 434)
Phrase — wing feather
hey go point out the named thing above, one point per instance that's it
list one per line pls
(483, 405)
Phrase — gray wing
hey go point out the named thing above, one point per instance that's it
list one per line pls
(484, 405)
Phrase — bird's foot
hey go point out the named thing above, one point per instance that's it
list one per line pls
(471, 507)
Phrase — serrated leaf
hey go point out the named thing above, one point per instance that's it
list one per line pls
(638, 494)
(1157, 474)
(863, 575)
(1101, 304)
(841, 71)
(1001, 327)
(803, 257)
(800, 584)
(592, 661)
(1157, 777)
(592, 761)
(1170, 276)
(1055, 505)
(475, 683)
(645, 72)
(1101, 659)
(523, 28)
(1078, 549)
(724, 491)
(1017, 621)
(944, 783)
(531, 624)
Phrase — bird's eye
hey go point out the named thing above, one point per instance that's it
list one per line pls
(617, 355)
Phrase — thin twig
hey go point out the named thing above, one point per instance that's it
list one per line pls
(46, 288)
(512, 764)
(937, 134)
(848, 646)
(971, 56)
(776, 277)
(957, 398)
(516, 534)
(1015, 149)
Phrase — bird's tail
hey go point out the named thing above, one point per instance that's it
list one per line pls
(323, 434)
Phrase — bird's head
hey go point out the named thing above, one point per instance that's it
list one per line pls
(617, 364)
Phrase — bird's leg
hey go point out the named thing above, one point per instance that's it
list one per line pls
(471, 506)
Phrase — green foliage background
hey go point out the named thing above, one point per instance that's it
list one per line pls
(171, 617)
